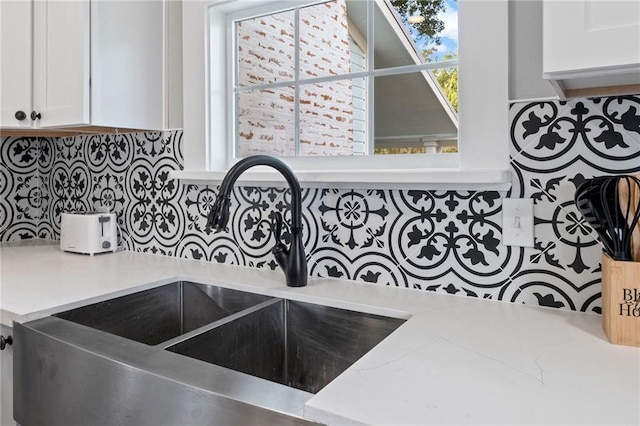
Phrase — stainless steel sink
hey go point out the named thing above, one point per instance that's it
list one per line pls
(297, 344)
(163, 313)
(138, 359)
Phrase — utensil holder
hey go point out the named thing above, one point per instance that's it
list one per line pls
(621, 301)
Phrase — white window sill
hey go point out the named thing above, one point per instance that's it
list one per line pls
(434, 179)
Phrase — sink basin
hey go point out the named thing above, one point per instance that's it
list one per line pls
(297, 344)
(188, 354)
(163, 313)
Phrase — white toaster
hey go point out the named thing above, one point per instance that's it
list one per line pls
(88, 232)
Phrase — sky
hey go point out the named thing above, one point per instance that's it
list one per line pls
(450, 33)
(448, 36)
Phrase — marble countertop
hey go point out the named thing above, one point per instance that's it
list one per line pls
(456, 360)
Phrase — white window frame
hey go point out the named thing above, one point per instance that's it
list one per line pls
(482, 162)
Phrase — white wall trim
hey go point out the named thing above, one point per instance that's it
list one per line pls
(434, 179)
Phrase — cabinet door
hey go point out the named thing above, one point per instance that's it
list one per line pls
(591, 36)
(15, 62)
(127, 64)
(6, 378)
(61, 63)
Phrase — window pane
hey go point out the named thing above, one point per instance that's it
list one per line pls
(409, 32)
(265, 49)
(266, 122)
(357, 14)
(412, 113)
(393, 46)
(448, 80)
(332, 118)
(324, 40)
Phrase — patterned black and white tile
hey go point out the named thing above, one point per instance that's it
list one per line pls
(443, 241)
(555, 146)
(23, 196)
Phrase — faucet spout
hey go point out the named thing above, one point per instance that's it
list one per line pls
(292, 260)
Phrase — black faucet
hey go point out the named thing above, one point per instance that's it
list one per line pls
(292, 260)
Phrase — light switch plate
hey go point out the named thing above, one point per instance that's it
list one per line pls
(517, 222)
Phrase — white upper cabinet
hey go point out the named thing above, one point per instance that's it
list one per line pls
(92, 63)
(61, 63)
(592, 47)
(15, 63)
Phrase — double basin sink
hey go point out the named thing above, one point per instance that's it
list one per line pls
(300, 345)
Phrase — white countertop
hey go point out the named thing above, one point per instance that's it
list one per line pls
(457, 360)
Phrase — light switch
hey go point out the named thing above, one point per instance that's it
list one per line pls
(517, 222)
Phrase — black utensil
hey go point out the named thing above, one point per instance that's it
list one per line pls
(598, 200)
(588, 203)
(611, 217)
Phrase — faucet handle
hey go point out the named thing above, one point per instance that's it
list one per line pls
(277, 227)
(219, 214)
(280, 250)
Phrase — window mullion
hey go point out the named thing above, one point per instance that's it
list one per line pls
(232, 93)
(405, 69)
(296, 76)
(370, 80)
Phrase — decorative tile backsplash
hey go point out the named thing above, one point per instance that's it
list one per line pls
(443, 241)
(23, 196)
